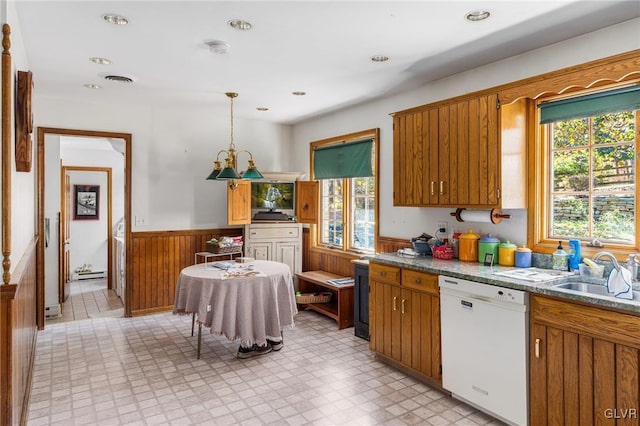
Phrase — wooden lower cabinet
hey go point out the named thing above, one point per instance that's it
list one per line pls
(404, 318)
(584, 364)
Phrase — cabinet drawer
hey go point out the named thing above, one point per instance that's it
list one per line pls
(284, 232)
(420, 281)
(384, 273)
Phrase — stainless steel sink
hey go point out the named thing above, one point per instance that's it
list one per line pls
(590, 288)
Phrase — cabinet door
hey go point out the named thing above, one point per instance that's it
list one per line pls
(584, 364)
(307, 201)
(260, 251)
(385, 320)
(408, 160)
(239, 203)
(421, 333)
(287, 253)
(474, 151)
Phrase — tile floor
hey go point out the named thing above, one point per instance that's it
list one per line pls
(89, 299)
(112, 370)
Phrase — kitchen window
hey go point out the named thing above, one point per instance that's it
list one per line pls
(346, 167)
(589, 144)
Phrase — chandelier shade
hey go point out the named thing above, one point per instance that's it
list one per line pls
(230, 173)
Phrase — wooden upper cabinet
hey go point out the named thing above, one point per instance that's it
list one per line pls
(239, 203)
(449, 154)
(307, 201)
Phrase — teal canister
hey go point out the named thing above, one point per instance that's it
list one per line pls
(523, 257)
(488, 244)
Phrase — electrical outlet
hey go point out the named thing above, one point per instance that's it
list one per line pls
(441, 227)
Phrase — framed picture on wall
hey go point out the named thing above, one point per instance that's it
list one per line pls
(86, 202)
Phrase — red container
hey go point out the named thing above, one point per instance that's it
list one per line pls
(443, 252)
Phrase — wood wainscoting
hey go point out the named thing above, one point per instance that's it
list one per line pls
(157, 259)
(18, 333)
(391, 245)
(314, 259)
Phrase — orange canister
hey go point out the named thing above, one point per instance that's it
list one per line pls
(468, 246)
(507, 254)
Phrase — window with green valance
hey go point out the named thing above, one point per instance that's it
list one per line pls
(343, 160)
(624, 99)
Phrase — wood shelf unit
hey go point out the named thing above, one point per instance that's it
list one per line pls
(340, 307)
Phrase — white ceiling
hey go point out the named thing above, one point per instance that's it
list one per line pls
(320, 47)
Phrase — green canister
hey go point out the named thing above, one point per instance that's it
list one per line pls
(488, 244)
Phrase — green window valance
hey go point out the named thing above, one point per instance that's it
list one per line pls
(344, 160)
(624, 99)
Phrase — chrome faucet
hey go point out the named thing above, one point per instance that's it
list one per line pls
(632, 265)
(610, 256)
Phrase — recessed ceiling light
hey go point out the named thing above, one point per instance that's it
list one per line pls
(298, 93)
(379, 58)
(477, 15)
(92, 86)
(100, 61)
(112, 18)
(239, 24)
(218, 47)
(262, 109)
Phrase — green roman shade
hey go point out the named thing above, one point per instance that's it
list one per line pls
(625, 99)
(345, 160)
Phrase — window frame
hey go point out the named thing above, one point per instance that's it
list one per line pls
(347, 190)
(539, 198)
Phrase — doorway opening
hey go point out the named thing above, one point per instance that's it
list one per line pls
(74, 204)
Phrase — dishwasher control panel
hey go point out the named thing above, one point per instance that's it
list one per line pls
(483, 291)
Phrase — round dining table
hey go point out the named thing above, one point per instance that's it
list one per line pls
(249, 302)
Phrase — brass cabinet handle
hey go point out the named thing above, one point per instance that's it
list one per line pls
(441, 187)
(394, 302)
(432, 184)
(417, 281)
(403, 306)
(383, 273)
(537, 348)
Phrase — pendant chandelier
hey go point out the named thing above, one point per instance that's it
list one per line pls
(229, 173)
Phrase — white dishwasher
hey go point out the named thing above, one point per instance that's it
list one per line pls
(485, 347)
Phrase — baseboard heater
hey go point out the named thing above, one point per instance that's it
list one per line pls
(90, 275)
(52, 311)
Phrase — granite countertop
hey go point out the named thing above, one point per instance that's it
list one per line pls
(490, 275)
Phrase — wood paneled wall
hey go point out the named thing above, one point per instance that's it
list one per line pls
(18, 333)
(340, 262)
(390, 245)
(157, 259)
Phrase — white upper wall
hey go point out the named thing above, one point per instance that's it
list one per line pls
(173, 149)
(406, 222)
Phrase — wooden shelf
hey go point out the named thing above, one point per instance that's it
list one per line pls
(340, 307)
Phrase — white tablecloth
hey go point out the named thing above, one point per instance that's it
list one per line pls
(249, 309)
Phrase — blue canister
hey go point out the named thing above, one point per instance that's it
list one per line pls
(574, 255)
(523, 257)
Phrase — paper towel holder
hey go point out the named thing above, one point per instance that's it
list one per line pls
(495, 215)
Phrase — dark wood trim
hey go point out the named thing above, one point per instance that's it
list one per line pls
(6, 153)
(42, 132)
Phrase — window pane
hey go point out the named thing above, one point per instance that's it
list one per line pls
(331, 214)
(362, 214)
(570, 216)
(572, 133)
(614, 169)
(611, 128)
(571, 170)
(613, 218)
